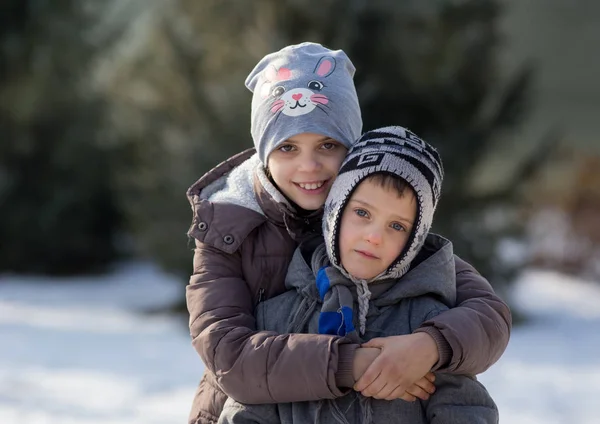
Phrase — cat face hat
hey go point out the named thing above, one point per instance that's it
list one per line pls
(303, 88)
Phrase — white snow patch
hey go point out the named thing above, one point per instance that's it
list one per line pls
(85, 351)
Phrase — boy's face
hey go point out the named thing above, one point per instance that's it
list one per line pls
(305, 166)
(375, 227)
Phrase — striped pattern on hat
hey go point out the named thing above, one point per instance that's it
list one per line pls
(397, 151)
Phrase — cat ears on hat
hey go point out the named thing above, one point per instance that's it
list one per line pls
(325, 67)
(275, 75)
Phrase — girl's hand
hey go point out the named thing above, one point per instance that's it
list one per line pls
(398, 371)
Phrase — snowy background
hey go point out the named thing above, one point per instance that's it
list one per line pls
(90, 351)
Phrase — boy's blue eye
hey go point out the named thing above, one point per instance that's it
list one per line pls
(361, 212)
(329, 146)
(398, 227)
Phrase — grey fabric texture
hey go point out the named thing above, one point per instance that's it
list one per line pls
(397, 307)
(237, 187)
(303, 88)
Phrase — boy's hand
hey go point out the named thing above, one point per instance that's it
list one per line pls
(421, 389)
(404, 361)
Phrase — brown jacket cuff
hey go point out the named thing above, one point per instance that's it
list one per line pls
(344, 377)
(444, 348)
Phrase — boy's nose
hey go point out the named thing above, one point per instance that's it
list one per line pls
(374, 237)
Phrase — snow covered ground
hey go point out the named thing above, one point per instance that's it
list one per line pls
(86, 351)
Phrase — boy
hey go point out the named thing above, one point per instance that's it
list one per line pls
(378, 273)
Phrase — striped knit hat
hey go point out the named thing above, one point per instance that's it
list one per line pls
(397, 151)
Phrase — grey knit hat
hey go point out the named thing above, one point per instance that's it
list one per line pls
(397, 151)
(303, 88)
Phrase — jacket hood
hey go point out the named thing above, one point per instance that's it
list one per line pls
(433, 273)
(242, 181)
(216, 179)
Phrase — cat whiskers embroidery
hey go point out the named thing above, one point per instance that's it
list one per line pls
(294, 93)
(299, 102)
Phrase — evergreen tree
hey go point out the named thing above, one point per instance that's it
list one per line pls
(57, 209)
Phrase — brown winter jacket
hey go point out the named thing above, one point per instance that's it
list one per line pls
(245, 237)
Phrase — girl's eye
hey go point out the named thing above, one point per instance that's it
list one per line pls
(316, 85)
(398, 227)
(286, 148)
(329, 146)
(361, 212)
(278, 91)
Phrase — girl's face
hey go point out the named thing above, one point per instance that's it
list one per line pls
(305, 166)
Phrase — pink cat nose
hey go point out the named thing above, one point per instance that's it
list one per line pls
(297, 96)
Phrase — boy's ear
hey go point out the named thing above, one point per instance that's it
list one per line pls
(325, 66)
